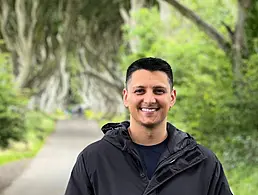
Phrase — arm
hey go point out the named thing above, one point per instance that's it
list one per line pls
(79, 182)
(219, 184)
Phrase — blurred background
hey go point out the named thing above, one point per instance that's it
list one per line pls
(64, 59)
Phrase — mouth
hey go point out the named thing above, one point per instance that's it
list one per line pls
(149, 110)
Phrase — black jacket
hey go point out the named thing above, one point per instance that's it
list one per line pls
(112, 166)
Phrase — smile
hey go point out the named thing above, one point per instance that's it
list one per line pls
(149, 109)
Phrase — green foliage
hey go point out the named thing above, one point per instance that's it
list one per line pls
(11, 106)
(214, 12)
(244, 179)
(251, 27)
(206, 106)
(38, 126)
(144, 32)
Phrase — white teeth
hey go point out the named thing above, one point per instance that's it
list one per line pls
(148, 110)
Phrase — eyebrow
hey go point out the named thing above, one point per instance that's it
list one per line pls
(154, 87)
(159, 86)
(138, 86)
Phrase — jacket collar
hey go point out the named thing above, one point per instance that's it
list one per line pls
(118, 135)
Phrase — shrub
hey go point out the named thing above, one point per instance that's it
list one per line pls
(12, 106)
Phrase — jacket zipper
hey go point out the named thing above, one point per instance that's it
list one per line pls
(141, 169)
(174, 157)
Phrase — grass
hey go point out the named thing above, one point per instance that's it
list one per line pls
(244, 179)
(39, 126)
(12, 154)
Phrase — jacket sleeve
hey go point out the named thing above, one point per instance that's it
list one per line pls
(218, 183)
(79, 182)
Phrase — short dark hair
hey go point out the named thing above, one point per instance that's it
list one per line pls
(151, 64)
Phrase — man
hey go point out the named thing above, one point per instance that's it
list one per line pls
(148, 155)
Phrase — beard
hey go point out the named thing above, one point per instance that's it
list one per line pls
(150, 125)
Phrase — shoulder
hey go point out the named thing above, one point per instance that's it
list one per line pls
(96, 155)
(211, 159)
(210, 156)
(89, 156)
(94, 149)
(96, 152)
(209, 153)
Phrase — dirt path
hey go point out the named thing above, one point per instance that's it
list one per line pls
(49, 171)
(11, 171)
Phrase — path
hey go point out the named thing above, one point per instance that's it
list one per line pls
(49, 171)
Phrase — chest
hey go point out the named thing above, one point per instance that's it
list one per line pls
(121, 174)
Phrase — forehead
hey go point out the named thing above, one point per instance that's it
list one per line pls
(146, 78)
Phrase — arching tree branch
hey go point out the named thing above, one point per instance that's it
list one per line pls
(201, 24)
(100, 78)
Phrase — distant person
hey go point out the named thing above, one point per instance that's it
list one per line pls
(147, 155)
(80, 111)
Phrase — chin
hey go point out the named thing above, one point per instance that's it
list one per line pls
(150, 125)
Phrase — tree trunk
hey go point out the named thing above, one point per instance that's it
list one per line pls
(130, 21)
(239, 46)
(24, 44)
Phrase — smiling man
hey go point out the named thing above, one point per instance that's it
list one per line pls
(147, 155)
(148, 96)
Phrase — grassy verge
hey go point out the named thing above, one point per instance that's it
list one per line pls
(39, 126)
(244, 179)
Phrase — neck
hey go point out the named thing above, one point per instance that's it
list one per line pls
(148, 136)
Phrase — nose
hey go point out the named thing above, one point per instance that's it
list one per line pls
(149, 98)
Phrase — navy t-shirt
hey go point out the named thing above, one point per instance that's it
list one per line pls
(150, 155)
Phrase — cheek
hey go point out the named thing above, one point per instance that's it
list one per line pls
(133, 101)
(165, 103)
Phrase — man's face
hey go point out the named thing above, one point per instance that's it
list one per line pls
(148, 97)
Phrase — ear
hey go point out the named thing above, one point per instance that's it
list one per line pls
(125, 96)
(172, 97)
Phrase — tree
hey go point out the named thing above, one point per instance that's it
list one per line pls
(42, 36)
(236, 45)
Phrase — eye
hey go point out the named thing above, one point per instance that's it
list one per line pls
(139, 91)
(159, 91)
